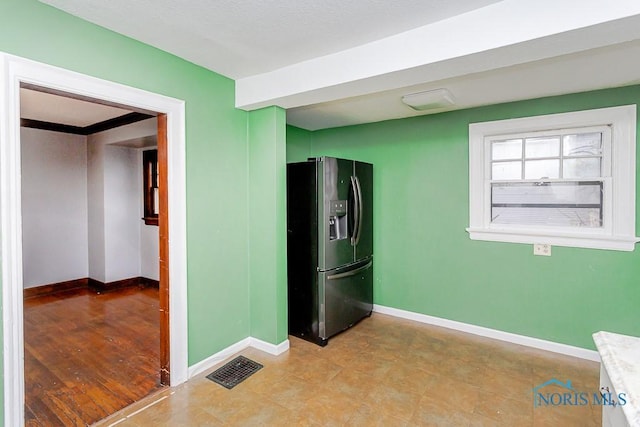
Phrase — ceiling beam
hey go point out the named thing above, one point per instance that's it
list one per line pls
(503, 34)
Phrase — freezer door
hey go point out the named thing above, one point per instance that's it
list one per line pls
(347, 295)
(334, 213)
(364, 231)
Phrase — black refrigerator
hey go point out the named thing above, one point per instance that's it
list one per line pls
(329, 246)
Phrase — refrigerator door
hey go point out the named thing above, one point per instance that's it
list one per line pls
(364, 230)
(348, 297)
(334, 213)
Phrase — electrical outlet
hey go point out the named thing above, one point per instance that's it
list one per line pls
(542, 249)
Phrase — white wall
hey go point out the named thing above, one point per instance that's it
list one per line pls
(122, 196)
(82, 206)
(130, 248)
(54, 207)
(95, 220)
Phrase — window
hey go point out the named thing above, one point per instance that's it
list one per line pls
(563, 179)
(150, 186)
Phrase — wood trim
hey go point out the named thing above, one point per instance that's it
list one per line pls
(149, 183)
(99, 286)
(54, 288)
(163, 221)
(54, 127)
(150, 220)
(116, 122)
(86, 282)
(149, 283)
(123, 120)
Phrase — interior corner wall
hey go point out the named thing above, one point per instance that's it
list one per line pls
(216, 154)
(122, 246)
(299, 143)
(122, 213)
(54, 207)
(114, 212)
(267, 224)
(425, 261)
(95, 211)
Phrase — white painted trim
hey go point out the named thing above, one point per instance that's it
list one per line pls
(272, 349)
(15, 70)
(619, 203)
(548, 238)
(554, 347)
(219, 357)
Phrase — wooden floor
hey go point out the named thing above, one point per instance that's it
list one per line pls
(89, 355)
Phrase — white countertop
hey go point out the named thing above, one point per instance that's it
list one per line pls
(620, 356)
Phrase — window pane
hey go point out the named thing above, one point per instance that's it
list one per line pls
(504, 150)
(588, 167)
(582, 144)
(506, 170)
(542, 147)
(536, 169)
(562, 204)
(553, 217)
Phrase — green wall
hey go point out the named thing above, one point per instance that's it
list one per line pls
(298, 144)
(216, 154)
(425, 261)
(268, 224)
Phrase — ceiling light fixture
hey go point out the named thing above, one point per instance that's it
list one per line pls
(429, 100)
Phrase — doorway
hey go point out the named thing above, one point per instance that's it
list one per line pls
(90, 263)
(17, 72)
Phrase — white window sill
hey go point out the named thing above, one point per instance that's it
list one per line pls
(579, 240)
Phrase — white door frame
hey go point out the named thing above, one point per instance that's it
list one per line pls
(14, 71)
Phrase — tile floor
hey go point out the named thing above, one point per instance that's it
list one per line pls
(383, 372)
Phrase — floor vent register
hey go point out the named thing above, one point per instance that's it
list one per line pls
(233, 373)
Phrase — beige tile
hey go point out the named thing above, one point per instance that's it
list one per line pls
(353, 383)
(259, 413)
(387, 372)
(330, 407)
(452, 395)
(518, 385)
(565, 416)
(292, 392)
(393, 401)
(373, 366)
(368, 416)
(439, 411)
(498, 406)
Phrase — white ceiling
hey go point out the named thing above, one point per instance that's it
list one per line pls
(47, 107)
(247, 37)
(335, 63)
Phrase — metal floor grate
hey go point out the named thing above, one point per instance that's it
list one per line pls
(233, 373)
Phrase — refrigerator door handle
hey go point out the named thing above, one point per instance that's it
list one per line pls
(350, 272)
(359, 218)
(356, 210)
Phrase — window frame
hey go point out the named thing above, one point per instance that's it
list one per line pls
(618, 231)
(149, 174)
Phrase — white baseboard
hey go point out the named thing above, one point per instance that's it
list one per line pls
(554, 347)
(222, 355)
(218, 357)
(273, 349)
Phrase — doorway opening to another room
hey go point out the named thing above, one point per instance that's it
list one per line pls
(92, 315)
(20, 74)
